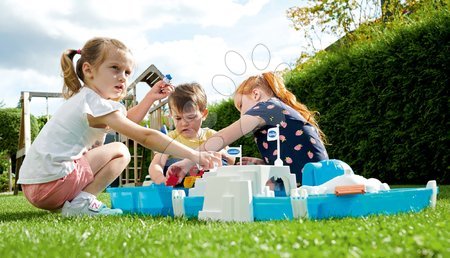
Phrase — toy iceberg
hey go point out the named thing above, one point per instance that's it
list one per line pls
(239, 193)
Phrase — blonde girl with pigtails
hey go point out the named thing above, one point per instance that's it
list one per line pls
(264, 102)
(68, 165)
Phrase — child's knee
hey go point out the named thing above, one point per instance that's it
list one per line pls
(123, 151)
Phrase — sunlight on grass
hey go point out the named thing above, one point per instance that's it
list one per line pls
(27, 231)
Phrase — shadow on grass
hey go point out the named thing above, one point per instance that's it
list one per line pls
(24, 215)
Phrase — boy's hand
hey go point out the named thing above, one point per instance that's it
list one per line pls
(179, 170)
(172, 180)
(161, 90)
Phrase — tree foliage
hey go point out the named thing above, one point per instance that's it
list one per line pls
(340, 17)
(41, 121)
(10, 128)
(4, 162)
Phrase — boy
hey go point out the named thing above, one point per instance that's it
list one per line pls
(187, 106)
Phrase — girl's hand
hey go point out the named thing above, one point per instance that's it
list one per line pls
(251, 161)
(161, 90)
(208, 160)
(205, 160)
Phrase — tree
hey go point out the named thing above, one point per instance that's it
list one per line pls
(10, 129)
(4, 162)
(339, 17)
(41, 121)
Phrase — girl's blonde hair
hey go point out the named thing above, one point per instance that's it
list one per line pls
(272, 84)
(94, 52)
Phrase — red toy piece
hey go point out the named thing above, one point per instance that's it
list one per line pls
(172, 180)
(173, 177)
(200, 173)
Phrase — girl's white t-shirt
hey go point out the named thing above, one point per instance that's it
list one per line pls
(66, 137)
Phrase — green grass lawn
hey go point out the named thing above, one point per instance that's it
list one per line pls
(26, 231)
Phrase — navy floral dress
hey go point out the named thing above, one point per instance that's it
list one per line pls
(299, 141)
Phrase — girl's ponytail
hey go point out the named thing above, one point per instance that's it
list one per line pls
(72, 84)
(277, 86)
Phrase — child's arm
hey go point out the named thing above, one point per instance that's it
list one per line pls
(152, 139)
(156, 169)
(231, 133)
(222, 138)
(159, 91)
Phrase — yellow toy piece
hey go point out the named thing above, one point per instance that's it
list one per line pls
(189, 181)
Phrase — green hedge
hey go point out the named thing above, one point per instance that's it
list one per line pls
(9, 132)
(383, 101)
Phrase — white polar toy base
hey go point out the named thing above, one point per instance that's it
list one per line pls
(229, 190)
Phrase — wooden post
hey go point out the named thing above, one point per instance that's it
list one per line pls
(127, 170)
(24, 136)
(135, 162)
(10, 176)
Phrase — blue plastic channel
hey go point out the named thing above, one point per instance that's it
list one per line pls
(272, 208)
(389, 202)
(153, 200)
(192, 205)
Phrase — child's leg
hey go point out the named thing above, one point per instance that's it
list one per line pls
(107, 162)
(52, 195)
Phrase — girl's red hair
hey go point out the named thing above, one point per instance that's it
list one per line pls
(273, 84)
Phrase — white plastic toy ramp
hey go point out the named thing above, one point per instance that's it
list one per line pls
(228, 192)
(259, 175)
(227, 198)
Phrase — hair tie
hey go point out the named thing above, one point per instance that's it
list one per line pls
(79, 51)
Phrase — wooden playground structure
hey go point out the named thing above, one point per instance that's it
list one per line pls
(155, 120)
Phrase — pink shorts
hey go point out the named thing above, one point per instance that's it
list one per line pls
(52, 195)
